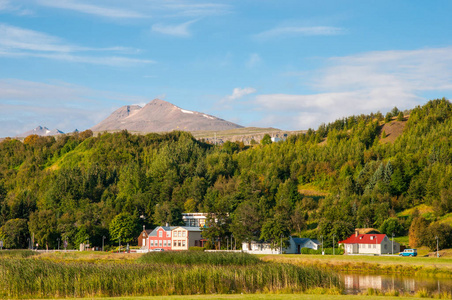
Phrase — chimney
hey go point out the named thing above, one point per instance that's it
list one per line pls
(356, 232)
(167, 225)
(144, 227)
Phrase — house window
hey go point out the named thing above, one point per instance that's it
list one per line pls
(164, 243)
(178, 243)
(160, 243)
(175, 244)
(152, 242)
(183, 233)
(168, 234)
(160, 234)
(375, 246)
(183, 243)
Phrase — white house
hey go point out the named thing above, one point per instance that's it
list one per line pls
(259, 248)
(295, 245)
(375, 244)
(194, 219)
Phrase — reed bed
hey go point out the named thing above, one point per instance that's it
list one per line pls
(16, 253)
(36, 278)
(198, 257)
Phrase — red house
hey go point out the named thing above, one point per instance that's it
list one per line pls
(160, 238)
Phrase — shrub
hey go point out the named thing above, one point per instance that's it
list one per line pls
(196, 249)
(328, 251)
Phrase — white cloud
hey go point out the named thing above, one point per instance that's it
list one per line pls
(4, 4)
(238, 93)
(7, 6)
(286, 31)
(55, 105)
(19, 42)
(122, 9)
(363, 83)
(180, 30)
(253, 61)
(103, 11)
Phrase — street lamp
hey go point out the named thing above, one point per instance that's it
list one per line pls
(103, 238)
(322, 243)
(393, 243)
(437, 253)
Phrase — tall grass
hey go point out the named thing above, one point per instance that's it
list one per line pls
(16, 253)
(195, 257)
(36, 278)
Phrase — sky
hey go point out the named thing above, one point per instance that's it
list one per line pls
(288, 64)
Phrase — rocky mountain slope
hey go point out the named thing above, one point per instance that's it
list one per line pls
(161, 116)
(41, 131)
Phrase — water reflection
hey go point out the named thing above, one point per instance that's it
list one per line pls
(359, 283)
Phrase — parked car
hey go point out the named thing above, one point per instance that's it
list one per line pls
(408, 252)
(158, 249)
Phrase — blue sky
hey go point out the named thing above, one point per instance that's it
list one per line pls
(292, 65)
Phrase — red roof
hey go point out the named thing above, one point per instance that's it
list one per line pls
(364, 239)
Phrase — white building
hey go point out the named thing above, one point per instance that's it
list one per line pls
(295, 245)
(375, 244)
(194, 219)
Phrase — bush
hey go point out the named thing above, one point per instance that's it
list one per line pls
(328, 251)
(196, 249)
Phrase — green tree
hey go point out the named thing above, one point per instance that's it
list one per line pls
(43, 225)
(125, 227)
(266, 140)
(418, 232)
(400, 116)
(442, 231)
(390, 226)
(14, 234)
(246, 222)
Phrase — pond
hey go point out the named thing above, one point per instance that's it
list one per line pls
(358, 283)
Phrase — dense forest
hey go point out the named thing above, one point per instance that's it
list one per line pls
(344, 175)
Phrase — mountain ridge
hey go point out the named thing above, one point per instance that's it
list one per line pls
(41, 131)
(161, 116)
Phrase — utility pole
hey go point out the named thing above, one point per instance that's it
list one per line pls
(393, 243)
(103, 238)
(322, 243)
(437, 252)
(333, 242)
(281, 244)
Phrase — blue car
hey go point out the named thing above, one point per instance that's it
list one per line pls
(408, 252)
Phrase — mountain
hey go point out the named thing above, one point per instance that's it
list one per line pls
(41, 131)
(161, 116)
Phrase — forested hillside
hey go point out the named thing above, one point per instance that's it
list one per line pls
(325, 182)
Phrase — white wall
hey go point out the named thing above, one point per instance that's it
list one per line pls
(259, 248)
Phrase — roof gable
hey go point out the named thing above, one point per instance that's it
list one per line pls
(364, 239)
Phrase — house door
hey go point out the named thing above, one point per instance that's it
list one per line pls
(298, 249)
(144, 242)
